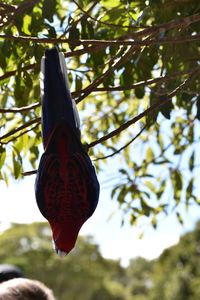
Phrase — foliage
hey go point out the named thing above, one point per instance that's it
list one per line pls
(84, 274)
(176, 273)
(133, 67)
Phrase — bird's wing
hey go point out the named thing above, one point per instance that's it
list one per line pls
(60, 194)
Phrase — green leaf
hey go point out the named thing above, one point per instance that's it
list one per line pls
(28, 80)
(179, 217)
(26, 24)
(177, 183)
(191, 161)
(122, 194)
(146, 209)
(16, 166)
(139, 92)
(74, 34)
(154, 222)
(114, 191)
(150, 186)
(166, 108)
(2, 158)
(189, 190)
(48, 10)
(110, 3)
(78, 83)
(149, 154)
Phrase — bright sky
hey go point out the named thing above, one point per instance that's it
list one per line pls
(18, 204)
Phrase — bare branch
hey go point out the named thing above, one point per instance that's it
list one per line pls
(29, 173)
(21, 109)
(146, 112)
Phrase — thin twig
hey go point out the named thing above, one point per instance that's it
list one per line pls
(125, 146)
(29, 173)
(147, 82)
(124, 56)
(21, 109)
(184, 22)
(29, 123)
(22, 133)
(12, 73)
(144, 113)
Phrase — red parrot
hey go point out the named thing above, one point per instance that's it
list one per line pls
(66, 187)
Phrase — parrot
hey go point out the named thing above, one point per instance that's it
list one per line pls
(66, 185)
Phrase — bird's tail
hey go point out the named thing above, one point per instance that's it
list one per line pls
(57, 103)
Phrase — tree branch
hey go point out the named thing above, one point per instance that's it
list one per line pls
(29, 173)
(12, 73)
(184, 22)
(102, 77)
(135, 119)
(22, 133)
(147, 82)
(103, 43)
(123, 57)
(29, 123)
(117, 88)
(146, 112)
(8, 7)
(21, 109)
(125, 146)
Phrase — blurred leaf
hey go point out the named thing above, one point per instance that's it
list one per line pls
(166, 108)
(191, 161)
(2, 158)
(179, 217)
(149, 154)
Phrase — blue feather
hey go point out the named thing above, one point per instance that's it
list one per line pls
(57, 103)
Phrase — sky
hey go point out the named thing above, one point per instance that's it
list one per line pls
(17, 204)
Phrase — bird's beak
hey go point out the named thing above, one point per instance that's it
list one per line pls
(61, 253)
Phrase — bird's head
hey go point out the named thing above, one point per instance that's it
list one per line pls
(64, 238)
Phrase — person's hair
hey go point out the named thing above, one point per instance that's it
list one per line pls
(24, 289)
(9, 272)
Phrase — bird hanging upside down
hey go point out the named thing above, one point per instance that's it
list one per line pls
(66, 187)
